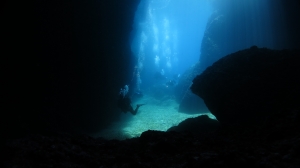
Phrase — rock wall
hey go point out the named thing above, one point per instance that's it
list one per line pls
(65, 62)
(236, 25)
(188, 102)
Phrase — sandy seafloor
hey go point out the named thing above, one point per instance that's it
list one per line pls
(154, 115)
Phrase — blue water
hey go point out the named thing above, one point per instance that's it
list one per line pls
(167, 36)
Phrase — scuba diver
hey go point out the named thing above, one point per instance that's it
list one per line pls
(173, 82)
(124, 102)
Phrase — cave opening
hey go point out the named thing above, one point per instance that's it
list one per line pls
(165, 42)
(174, 41)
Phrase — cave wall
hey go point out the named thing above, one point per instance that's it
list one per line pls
(236, 25)
(64, 63)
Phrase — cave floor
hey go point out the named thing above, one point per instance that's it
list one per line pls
(154, 115)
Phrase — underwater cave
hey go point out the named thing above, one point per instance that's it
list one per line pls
(150, 83)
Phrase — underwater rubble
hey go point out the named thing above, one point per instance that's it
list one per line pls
(153, 149)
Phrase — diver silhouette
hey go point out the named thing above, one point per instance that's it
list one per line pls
(124, 102)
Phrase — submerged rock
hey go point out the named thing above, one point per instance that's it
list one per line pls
(188, 102)
(200, 124)
(249, 86)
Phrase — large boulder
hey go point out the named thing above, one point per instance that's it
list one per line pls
(251, 85)
(188, 102)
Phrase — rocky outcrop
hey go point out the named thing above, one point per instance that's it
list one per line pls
(251, 86)
(211, 46)
(200, 125)
(188, 102)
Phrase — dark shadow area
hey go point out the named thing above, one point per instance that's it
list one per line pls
(64, 63)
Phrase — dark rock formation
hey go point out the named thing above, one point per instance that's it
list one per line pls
(65, 62)
(188, 102)
(251, 86)
(201, 124)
